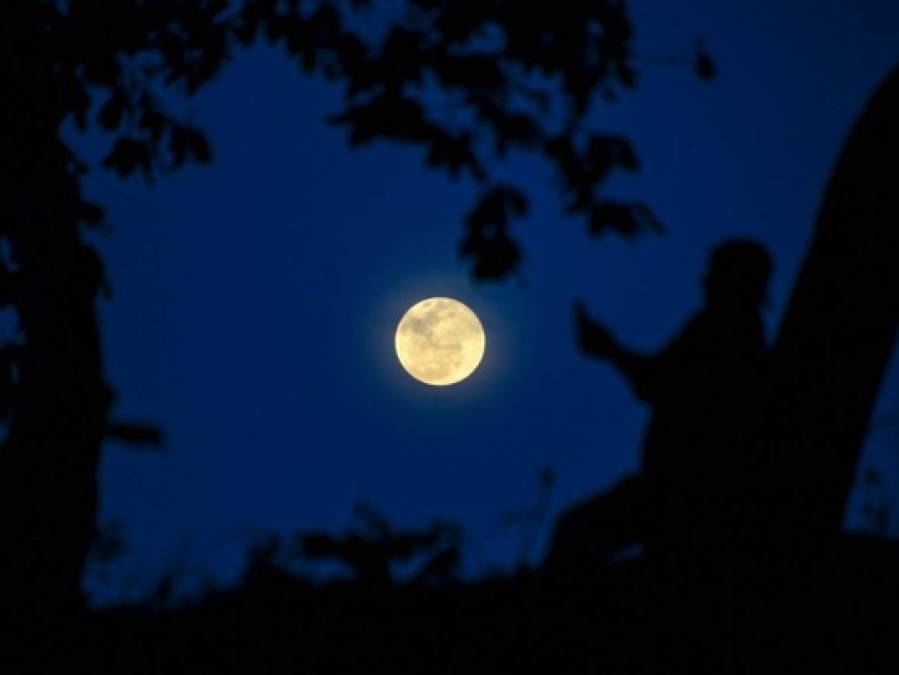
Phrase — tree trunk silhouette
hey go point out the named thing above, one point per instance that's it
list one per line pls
(48, 462)
(839, 330)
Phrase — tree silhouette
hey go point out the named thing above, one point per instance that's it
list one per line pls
(517, 78)
(835, 341)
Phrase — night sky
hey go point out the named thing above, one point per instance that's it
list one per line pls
(255, 299)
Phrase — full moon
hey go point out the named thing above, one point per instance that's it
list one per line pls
(440, 341)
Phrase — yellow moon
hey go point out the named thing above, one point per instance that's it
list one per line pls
(440, 341)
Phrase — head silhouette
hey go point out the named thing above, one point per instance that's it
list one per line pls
(737, 275)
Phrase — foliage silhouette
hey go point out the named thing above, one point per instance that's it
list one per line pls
(481, 57)
(370, 553)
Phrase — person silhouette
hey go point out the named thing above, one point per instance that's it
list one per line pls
(700, 456)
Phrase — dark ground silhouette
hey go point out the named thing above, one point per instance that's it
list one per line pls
(798, 596)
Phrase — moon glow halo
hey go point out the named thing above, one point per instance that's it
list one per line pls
(440, 341)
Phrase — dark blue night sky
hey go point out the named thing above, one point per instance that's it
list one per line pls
(256, 298)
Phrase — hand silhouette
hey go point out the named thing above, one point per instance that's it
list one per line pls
(592, 337)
